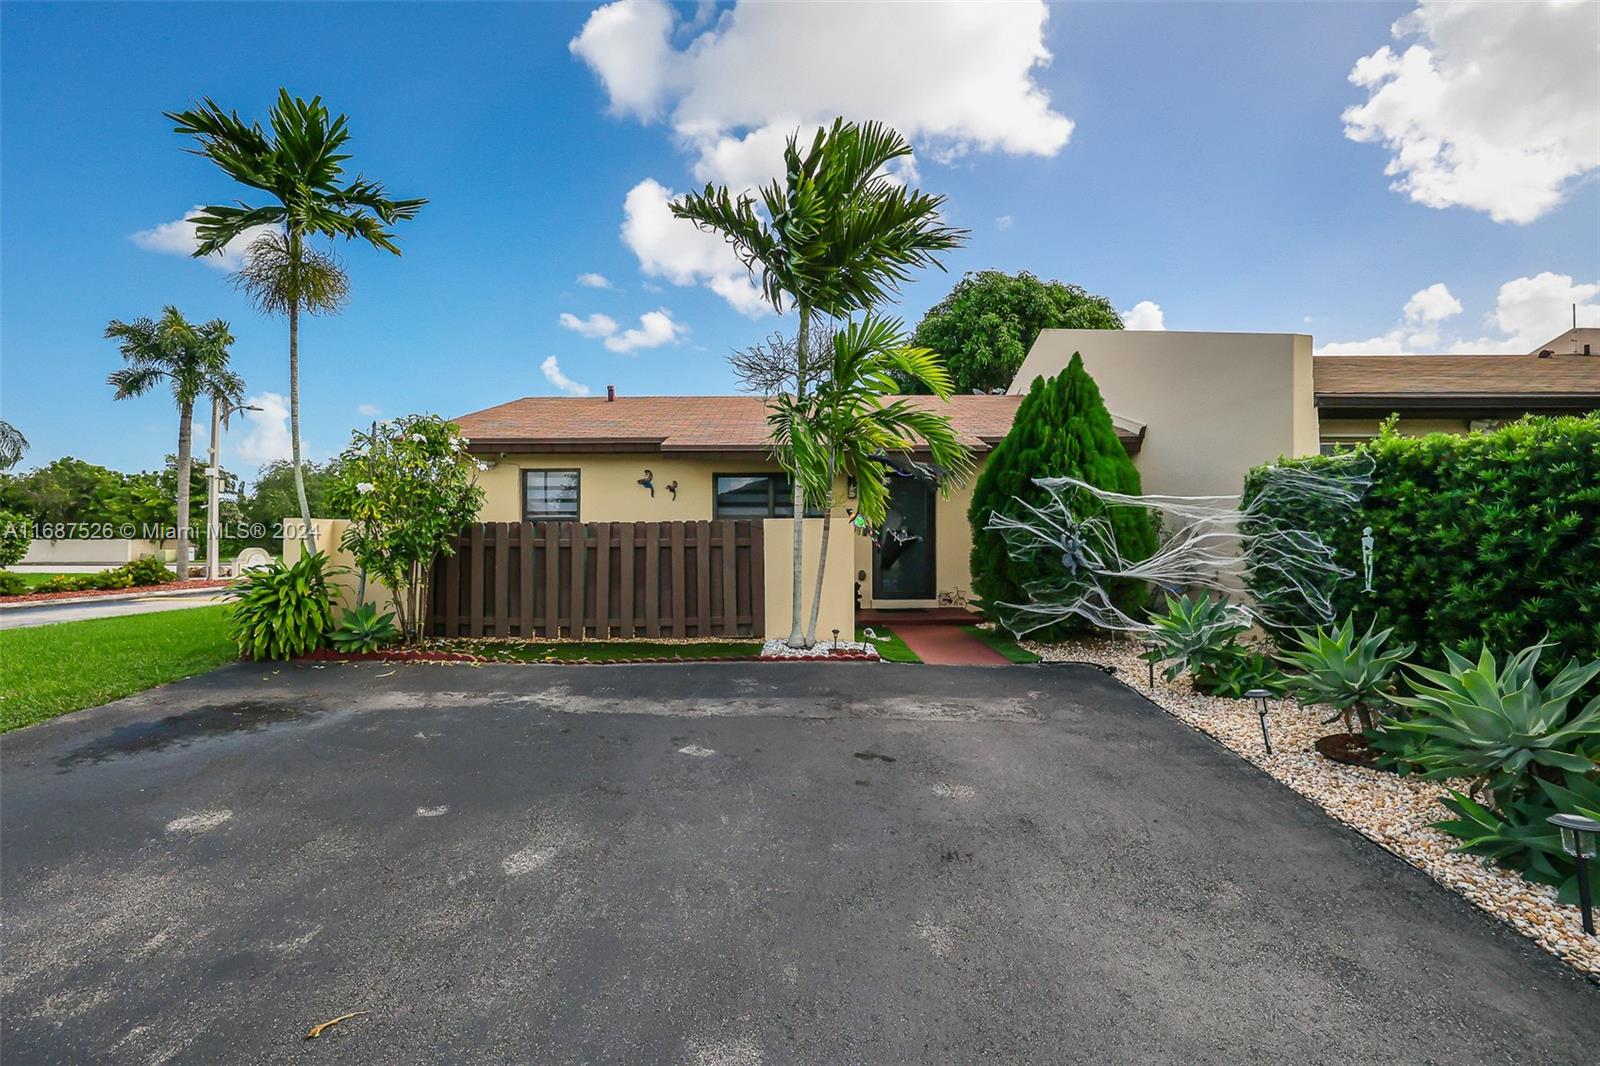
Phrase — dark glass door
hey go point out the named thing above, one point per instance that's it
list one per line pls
(902, 553)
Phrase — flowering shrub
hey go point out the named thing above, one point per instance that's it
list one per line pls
(408, 487)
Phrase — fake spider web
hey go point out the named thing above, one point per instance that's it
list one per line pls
(1208, 543)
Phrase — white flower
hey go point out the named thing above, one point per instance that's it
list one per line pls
(482, 465)
(419, 438)
(364, 487)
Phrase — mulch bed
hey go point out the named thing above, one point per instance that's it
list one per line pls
(398, 656)
(89, 594)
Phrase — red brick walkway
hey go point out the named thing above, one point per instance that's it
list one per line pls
(948, 645)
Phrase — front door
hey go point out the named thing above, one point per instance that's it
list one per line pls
(902, 552)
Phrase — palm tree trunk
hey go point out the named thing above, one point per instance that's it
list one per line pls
(185, 446)
(797, 638)
(822, 566)
(294, 394)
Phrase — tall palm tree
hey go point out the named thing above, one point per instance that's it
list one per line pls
(12, 445)
(300, 166)
(833, 237)
(851, 426)
(194, 361)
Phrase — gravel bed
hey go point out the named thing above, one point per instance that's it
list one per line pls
(776, 648)
(1392, 811)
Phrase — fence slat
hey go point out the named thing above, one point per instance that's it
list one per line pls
(702, 579)
(730, 580)
(452, 591)
(501, 593)
(679, 599)
(625, 580)
(580, 548)
(652, 580)
(525, 543)
(757, 566)
(475, 574)
(602, 580)
(552, 578)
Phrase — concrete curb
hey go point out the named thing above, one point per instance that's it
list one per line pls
(112, 597)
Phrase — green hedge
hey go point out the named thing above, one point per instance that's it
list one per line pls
(1485, 537)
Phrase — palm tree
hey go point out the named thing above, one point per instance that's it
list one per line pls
(300, 166)
(849, 426)
(12, 445)
(833, 237)
(194, 361)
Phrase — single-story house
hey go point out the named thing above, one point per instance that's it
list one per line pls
(1195, 410)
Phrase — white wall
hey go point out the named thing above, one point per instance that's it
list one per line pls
(1213, 404)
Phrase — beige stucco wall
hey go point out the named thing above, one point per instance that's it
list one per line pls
(838, 588)
(91, 551)
(1367, 428)
(345, 576)
(1214, 404)
(608, 488)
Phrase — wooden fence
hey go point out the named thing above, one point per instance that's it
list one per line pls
(600, 579)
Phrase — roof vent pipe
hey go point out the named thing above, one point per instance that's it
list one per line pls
(611, 394)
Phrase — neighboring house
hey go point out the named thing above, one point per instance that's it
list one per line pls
(1216, 404)
(708, 457)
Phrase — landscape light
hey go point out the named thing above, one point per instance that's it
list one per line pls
(1150, 647)
(1578, 839)
(1261, 696)
(836, 641)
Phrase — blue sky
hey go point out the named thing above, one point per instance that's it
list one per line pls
(1208, 171)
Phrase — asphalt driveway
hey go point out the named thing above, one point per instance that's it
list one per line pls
(716, 864)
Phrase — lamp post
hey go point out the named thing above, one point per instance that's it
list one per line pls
(220, 413)
(1261, 696)
(1578, 839)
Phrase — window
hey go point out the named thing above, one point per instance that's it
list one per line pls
(550, 494)
(1339, 445)
(755, 496)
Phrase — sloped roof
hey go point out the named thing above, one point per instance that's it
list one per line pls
(1557, 381)
(696, 423)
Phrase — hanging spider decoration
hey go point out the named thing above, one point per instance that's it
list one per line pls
(649, 481)
(1209, 542)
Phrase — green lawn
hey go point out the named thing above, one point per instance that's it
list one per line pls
(1003, 644)
(604, 651)
(33, 578)
(891, 649)
(50, 670)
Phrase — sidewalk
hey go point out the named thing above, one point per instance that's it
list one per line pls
(940, 644)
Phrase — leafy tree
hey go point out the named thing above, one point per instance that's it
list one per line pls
(67, 490)
(193, 360)
(408, 487)
(12, 445)
(986, 325)
(300, 166)
(833, 237)
(16, 533)
(1062, 429)
(272, 498)
(849, 425)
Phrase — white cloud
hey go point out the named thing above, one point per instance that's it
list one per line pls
(733, 92)
(369, 410)
(267, 432)
(1003, 222)
(655, 328)
(594, 326)
(675, 250)
(1433, 304)
(1492, 108)
(595, 281)
(1528, 312)
(552, 374)
(1146, 314)
(178, 238)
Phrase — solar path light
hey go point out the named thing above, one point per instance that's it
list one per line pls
(1578, 839)
(1261, 696)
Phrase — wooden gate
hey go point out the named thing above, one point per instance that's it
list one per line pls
(600, 579)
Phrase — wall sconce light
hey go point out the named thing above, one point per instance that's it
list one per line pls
(1261, 696)
(649, 482)
(850, 488)
(1578, 839)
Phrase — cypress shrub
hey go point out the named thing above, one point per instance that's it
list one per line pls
(1489, 538)
(1062, 429)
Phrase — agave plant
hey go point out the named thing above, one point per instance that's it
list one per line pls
(1346, 672)
(1500, 726)
(1193, 631)
(364, 629)
(1519, 834)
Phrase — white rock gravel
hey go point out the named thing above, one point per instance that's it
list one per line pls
(822, 649)
(1392, 811)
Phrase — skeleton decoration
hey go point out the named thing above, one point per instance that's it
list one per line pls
(1208, 542)
(1367, 543)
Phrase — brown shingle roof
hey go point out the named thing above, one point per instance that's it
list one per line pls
(693, 423)
(1559, 381)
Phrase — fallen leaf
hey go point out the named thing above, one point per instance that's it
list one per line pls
(317, 1030)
